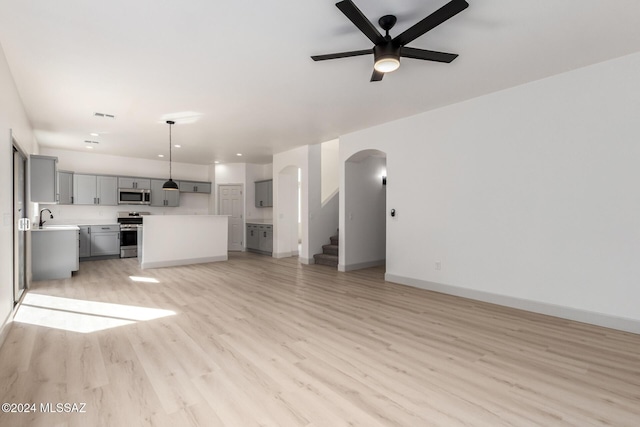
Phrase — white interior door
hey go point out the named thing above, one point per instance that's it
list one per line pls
(231, 203)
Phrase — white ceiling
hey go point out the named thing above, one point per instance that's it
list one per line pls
(237, 76)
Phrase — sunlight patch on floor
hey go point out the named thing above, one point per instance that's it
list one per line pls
(144, 279)
(80, 315)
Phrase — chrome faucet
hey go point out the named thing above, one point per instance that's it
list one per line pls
(41, 223)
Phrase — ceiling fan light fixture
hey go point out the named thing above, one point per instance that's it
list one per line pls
(386, 65)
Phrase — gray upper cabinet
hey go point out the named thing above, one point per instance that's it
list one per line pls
(160, 197)
(138, 183)
(195, 187)
(264, 193)
(65, 188)
(95, 190)
(43, 179)
(107, 190)
(84, 189)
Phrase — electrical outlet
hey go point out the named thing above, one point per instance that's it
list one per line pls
(438, 265)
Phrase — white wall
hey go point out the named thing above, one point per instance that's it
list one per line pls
(363, 238)
(285, 219)
(528, 197)
(12, 117)
(95, 163)
(330, 164)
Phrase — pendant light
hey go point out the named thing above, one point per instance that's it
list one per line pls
(171, 184)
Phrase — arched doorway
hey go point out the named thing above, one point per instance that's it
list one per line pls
(288, 232)
(363, 213)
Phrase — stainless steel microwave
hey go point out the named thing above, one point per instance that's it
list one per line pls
(134, 196)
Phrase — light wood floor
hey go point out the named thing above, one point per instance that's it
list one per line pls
(262, 342)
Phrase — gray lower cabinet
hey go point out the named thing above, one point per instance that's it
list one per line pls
(65, 188)
(85, 241)
(194, 187)
(95, 190)
(252, 236)
(54, 254)
(260, 238)
(160, 197)
(43, 179)
(265, 243)
(105, 240)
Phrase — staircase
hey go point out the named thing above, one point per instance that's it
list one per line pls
(329, 255)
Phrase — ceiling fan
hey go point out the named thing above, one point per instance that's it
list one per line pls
(386, 50)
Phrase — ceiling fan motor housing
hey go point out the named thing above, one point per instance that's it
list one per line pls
(386, 56)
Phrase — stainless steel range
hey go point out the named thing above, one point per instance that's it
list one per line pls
(129, 223)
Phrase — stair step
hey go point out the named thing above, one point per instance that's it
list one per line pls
(324, 259)
(334, 240)
(330, 249)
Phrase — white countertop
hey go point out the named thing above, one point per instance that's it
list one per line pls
(57, 228)
(74, 222)
(260, 221)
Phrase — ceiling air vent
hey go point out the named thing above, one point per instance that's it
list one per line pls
(91, 142)
(108, 116)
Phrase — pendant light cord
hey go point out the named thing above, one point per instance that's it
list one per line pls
(170, 123)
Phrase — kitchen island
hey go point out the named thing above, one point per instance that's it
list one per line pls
(54, 252)
(171, 240)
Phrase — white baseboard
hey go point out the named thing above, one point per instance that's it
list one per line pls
(360, 265)
(282, 254)
(178, 262)
(5, 327)
(584, 316)
(307, 261)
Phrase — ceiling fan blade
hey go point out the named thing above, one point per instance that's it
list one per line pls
(447, 11)
(342, 55)
(354, 14)
(427, 55)
(376, 76)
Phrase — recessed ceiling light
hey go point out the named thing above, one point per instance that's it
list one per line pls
(216, 162)
(94, 134)
(239, 154)
(160, 155)
(89, 147)
(177, 146)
